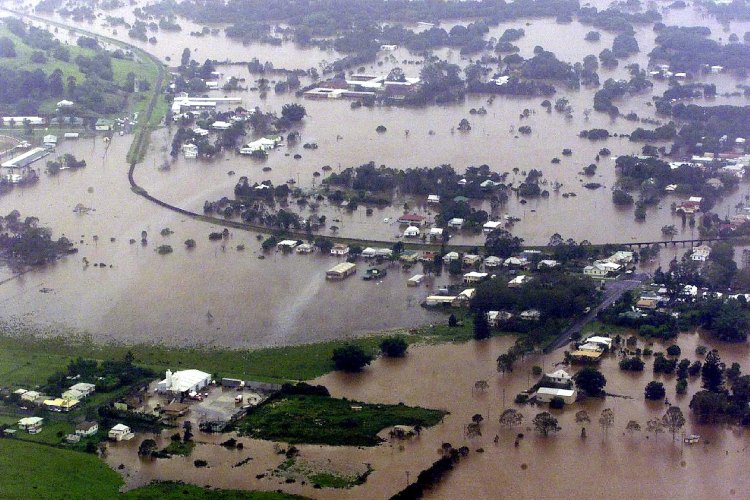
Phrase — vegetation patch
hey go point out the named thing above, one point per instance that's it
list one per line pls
(322, 475)
(170, 490)
(315, 419)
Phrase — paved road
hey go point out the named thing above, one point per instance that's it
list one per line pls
(612, 292)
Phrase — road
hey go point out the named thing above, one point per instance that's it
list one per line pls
(613, 291)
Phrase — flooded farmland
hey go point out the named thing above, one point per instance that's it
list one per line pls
(562, 465)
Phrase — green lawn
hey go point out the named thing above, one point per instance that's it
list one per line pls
(53, 432)
(306, 419)
(172, 491)
(38, 471)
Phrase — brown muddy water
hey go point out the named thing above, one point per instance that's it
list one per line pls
(560, 466)
(284, 299)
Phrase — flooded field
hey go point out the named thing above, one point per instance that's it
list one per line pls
(559, 466)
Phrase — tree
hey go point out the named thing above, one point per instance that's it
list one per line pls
(511, 418)
(654, 426)
(350, 358)
(712, 373)
(394, 347)
(293, 112)
(188, 428)
(147, 447)
(452, 321)
(673, 420)
(505, 362)
(654, 391)
(481, 326)
(185, 58)
(477, 418)
(582, 417)
(590, 381)
(607, 420)
(481, 385)
(545, 423)
(473, 430)
(502, 244)
(7, 48)
(56, 85)
(674, 350)
(633, 426)
(709, 406)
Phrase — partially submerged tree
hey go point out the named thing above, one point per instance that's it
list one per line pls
(607, 420)
(511, 418)
(673, 420)
(545, 423)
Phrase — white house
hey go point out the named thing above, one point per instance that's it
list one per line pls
(184, 381)
(287, 244)
(411, 232)
(494, 318)
(83, 388)
(490, 226)
(701, 253)
(190, 151)
(474, 277)
(559, 377)
(456, 223)
(305, 248)
(493, 261)
(64, 104)
(450, 257)
(120, 432)
(436, 232)
(548, 263)
(50, 140)
(87, 429)
(519, 281)
(220, 125)
(32, 425)
(339, 249)
(262, 144)
(200, 132)
(601, 341)
(601, 268)
(433, 198)
(530, 315)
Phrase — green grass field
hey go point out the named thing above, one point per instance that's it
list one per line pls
(172, 491)
(38, 471)
(306, 419)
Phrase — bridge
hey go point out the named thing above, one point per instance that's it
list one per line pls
(666, 243)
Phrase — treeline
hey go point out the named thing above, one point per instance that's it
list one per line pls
(23, 242)
(689, 49)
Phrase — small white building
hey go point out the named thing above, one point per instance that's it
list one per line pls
(547, 394)
(493, 261)
(305, 248)
(183, 381)
(339, 249)
(200, 132)
(190, 151)
(519, 281)
(411, 232)
(450, 257)
(64, 104)
(456, 223)
(83, 388)
(547, 263)
(530, 315)
(436, 232)
(262, 144)
(559, 377)
(701, 253)
(474, 277)
(87, 429)
(32, 425)
(415, 280)
(433, 199)
(120, 432)
(287, 244)
(490, 226)
(220, 125)
(50, 140)
(601, 341)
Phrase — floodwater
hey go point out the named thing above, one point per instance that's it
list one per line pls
(284, 299)
(559, 466)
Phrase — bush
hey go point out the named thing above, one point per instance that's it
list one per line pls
(557, 403)
(674, 350)
(633, 364)
(350, 358)
(664, 365)
(654, 391)
(394, 347)
(682, 386)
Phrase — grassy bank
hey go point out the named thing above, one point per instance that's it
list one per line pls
(39, 471)
(324, 420)
(169, 490)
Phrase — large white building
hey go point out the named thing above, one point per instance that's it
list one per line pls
(184, 381)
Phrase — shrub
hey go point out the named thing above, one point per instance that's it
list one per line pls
(350, 358)
(394, 347)
(557, 403)
(654, 391)
(674, 350)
